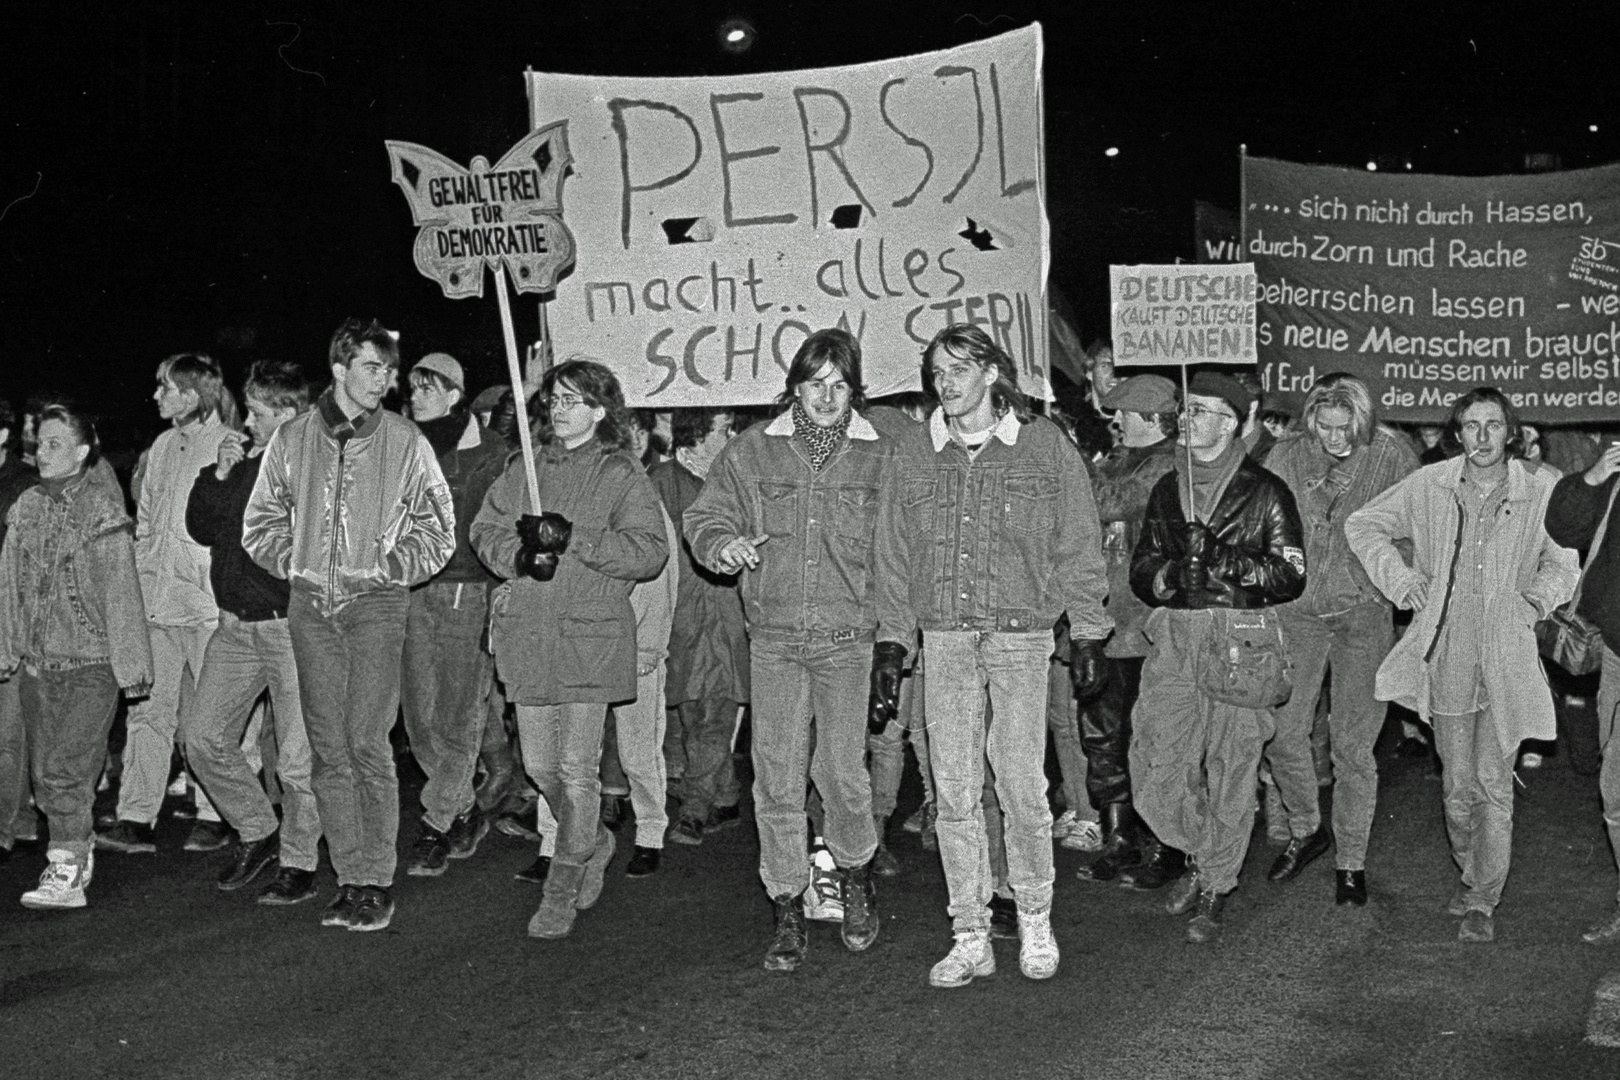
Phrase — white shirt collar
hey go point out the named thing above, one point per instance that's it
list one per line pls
(859, 426)
(1005, 429)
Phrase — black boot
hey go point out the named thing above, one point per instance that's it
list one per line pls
(1162, 865)
(787, 946)
(1121, 848)
(861, 921)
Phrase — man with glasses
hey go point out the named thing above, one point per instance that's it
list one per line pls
(792, 505)
(1221, 543)
(446, 674)
(1481, 573)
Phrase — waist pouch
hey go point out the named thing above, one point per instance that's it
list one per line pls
(1245, 662)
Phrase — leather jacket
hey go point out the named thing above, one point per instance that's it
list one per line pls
(1257, 558)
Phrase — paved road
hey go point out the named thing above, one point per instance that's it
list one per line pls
(164, 976)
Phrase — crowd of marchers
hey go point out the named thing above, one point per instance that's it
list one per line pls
(1206, 600)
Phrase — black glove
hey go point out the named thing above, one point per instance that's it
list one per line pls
(534, 563)
(883, 704)
(547, 532)
(1086, 667)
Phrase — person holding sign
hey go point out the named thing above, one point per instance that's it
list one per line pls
(987, 533)
(563, 627)
(793, 505)
(1221, 546)
(1340, 461)
(351, 508)
(1482, 572)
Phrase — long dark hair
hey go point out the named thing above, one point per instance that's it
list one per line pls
(1492, 396)
(965, 342)
(599, 388)
(831, 346)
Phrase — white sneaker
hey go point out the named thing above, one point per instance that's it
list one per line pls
(1063, 824)
(1530, 760)
(824, 899)
(177, 786)
(61, 885)
(1085, 836)
(1037, 948)
(970, 958)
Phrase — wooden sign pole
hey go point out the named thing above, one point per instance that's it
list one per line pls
(518, 398)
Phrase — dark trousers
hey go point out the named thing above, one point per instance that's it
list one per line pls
(1105, 731)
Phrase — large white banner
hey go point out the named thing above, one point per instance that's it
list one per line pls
(719, 221)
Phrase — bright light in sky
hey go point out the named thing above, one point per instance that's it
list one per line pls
(1372, 166)
(735, 36)
(1112, 151)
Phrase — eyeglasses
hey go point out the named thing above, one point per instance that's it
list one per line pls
(562, 401)
(1193, 412)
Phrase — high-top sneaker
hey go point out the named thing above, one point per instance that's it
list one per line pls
(1037, 948)
(824, 899)
(970, 958)
(62, 884)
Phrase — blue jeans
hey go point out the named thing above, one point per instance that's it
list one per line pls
(562, 750)
(1354, 643)
(794, 680)
(13, 764)
(444, 690)
(639, 726)
(243, 660)
(68, 715)
(889, 750)
(962, 667)
(1476, 784)
(348, 681)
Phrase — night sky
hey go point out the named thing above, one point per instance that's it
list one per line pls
(212, 176)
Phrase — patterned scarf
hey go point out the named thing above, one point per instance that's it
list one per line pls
(820, 441)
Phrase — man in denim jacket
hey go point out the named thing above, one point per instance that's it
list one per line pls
(793, 505)
(987, 533)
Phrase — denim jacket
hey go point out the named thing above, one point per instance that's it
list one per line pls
(1004, 541)
(1337, 580)
(815, 571)
(69, 592)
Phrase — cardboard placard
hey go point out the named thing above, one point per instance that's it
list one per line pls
(1183, 314)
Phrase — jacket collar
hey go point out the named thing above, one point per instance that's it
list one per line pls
(859, 426)
(337, 424)
(1449, 476)
(1005, 429)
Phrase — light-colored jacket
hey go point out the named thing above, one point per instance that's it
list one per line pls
(1529, 575)
(338, 519)
(173, 566)
(69, 593)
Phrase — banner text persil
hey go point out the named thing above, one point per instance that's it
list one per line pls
(1428, 286)
(718, 222)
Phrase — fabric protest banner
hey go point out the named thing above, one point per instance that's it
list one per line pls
(1183, 314)
(719, 221)
(1217, 234)
(1428, 286)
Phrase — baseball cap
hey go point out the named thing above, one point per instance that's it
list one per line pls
(445, 366)
(1141, 394)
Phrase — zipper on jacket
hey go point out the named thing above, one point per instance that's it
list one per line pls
(337, 527)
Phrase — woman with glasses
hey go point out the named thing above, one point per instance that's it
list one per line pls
(563, 628)
(73, 632)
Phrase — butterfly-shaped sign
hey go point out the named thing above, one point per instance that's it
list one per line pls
(509, 213)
